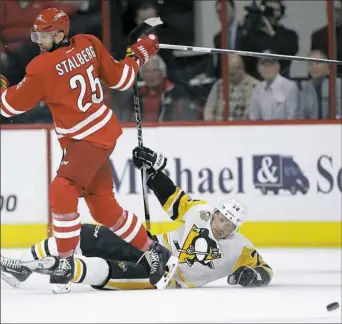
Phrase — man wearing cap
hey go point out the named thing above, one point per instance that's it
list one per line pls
(276, 97)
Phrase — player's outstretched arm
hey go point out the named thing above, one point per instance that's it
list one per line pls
(24, 96)
(250, 270)
(122, 75)
(176, 203)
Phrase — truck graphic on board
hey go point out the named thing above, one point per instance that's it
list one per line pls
(275, 172)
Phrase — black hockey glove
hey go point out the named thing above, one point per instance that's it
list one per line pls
(152, 161)
(246, 277)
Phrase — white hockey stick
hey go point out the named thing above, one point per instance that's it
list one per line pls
(245, 53)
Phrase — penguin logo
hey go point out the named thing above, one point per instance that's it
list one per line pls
(198, 247)
(205, 216)
(123, 266)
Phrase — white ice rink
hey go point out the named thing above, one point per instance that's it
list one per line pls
(305, 281)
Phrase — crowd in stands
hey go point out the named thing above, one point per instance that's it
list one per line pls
(174, 88)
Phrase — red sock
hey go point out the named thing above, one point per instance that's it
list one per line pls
(66, 220)
(130, 229)
(67, 228)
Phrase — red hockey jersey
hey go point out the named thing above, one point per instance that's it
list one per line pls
(68, 81)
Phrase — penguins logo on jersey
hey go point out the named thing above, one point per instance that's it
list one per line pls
(198, 247)
(205, 216)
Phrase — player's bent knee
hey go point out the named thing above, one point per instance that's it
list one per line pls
(63, 196)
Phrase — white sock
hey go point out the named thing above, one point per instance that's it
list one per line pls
(43, 249)
(90, 271)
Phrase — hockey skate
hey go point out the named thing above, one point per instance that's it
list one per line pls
(16, 271)
(13, 271)
(61, 277)
(163, 265)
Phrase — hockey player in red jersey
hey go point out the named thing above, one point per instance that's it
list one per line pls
(66, 76)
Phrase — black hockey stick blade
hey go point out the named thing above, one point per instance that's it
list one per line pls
(144, 28)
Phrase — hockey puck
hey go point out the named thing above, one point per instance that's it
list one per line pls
(333, 306)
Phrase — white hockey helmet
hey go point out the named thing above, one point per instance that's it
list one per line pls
(234, 211)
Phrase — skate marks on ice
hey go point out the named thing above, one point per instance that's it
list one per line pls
(305, 282)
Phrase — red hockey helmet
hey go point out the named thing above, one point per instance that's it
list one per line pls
(52, 20)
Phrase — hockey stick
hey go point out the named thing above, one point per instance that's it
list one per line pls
(245, 53)
(144, 28)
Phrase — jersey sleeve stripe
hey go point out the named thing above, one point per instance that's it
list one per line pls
(130, 82)
(2, 112)
(123, 78)
(167, 206)
(8, 107)
(175, 208)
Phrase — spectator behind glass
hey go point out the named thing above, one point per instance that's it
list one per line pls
(262, 31)
(144, 11)
(234, 31)
(162, 100)
(241, 87)
(276, 97)
(148, 9)
(16, 47)
(315, 92)
(320, 38)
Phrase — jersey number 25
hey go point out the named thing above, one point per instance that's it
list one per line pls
(80, 80)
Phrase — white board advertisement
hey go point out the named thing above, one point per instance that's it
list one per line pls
(281, 173)
(24, 176)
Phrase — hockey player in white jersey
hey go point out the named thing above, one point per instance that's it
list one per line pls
(207, 244)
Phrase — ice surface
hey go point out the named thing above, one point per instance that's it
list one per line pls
(305, 281)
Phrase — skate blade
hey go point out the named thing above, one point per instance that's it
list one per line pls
(61, 288)
(10, 280)
(172, 264)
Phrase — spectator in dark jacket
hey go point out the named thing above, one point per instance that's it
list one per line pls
(162, 100)
(266, 33)
(320, 38)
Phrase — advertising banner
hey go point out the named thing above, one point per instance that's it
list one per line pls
(281, 173)
(24, 175)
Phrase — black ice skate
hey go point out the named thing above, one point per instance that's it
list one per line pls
(163, 265)
(62, 275)
(13, 271)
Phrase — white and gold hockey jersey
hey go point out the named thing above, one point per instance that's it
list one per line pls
(202, 259)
